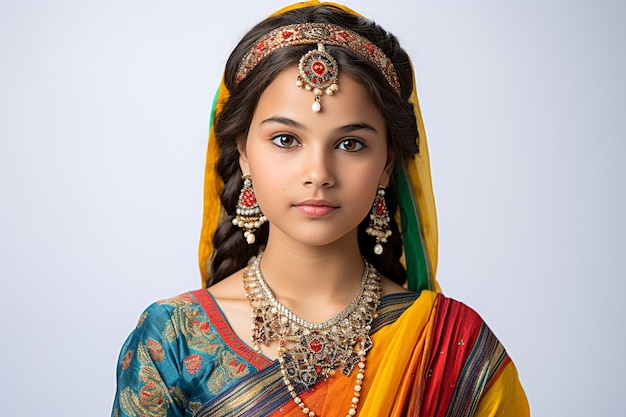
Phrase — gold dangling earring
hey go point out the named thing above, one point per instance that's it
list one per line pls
(379, 221)
(248, 213)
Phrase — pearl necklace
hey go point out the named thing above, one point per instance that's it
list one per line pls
(309, 351)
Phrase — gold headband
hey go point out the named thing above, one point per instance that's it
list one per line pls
(317, 33)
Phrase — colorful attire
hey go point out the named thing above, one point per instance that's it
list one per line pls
(432, 356)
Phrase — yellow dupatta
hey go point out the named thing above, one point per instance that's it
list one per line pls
(401, 356)
(416, 216)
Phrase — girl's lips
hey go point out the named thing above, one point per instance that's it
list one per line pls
(315, 211)
(315, 208)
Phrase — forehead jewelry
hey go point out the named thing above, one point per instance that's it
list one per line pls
(318, 69)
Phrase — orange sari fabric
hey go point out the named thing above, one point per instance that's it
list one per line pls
(437, 359)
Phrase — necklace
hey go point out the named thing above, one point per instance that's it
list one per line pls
(308, 352)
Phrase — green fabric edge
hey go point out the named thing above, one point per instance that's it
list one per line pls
(417, 266)
(212, 114)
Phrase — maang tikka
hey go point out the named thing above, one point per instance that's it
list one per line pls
(379, 221)
(318, 72)
(248, 213)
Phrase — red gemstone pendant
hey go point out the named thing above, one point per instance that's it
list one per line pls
(318, 68)
(380, 206)
(315, 345)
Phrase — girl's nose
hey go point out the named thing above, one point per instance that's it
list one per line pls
(318, 168)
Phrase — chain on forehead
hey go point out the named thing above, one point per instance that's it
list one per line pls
(316, 33)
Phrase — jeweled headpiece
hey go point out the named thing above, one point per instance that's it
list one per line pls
(318, 69)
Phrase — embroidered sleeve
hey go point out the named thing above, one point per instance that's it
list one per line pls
(147, 374)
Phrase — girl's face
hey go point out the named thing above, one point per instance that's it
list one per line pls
(315, 175)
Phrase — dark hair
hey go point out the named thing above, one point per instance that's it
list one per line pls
(231, 251)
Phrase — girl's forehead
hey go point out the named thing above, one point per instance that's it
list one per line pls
(350, 104)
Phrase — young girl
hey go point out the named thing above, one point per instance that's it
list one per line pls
(318, 248)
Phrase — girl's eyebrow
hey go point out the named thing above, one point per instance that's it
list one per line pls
(356, 126)
(343, 129)
(283, 121)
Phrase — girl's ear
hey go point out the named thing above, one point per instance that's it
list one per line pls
(243, 158)
(386, 175)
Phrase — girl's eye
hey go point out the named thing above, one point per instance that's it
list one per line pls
(285, 141)
(350, 145)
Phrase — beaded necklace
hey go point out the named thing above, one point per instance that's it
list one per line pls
(308, 352)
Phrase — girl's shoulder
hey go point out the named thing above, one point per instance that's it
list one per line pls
(174, 317)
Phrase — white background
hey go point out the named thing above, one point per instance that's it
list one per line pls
(103, 121)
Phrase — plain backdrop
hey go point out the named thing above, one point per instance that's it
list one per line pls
(103, 121)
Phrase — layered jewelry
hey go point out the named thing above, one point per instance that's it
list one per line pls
(379, 221)
(309, 352)
(248, 214)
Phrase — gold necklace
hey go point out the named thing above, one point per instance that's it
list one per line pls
(308, 352)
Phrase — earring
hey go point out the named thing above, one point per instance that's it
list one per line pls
(379, 221)
(249, 216)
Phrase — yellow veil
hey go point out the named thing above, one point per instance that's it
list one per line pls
(417, 215)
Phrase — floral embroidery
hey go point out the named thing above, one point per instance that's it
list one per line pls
(228, 368)
(179, 396)
(193, 363)
(155, 350)
(142, 318)
(194, 406)
(197, 332)
(142, 354)
(151, 399)
(234, 367)
(125, 362)
(152, 396)
(178, 301)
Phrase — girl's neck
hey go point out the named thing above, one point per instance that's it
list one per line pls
(326, 274)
